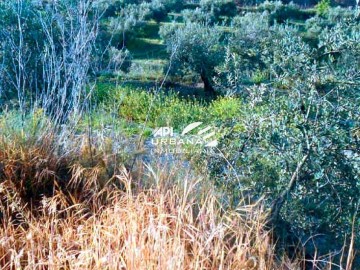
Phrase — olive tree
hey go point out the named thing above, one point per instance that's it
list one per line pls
(218, 8)
(196, 47)
(294, 140)
(244, 51)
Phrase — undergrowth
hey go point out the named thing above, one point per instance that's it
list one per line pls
(127, 108)
(85, 210)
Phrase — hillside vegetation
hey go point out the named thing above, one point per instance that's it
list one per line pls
(172, 134)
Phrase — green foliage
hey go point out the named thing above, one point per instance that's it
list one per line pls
(323, 7)
(291, 94)
(158, 11)
(280, 12)
(197, 16)
(317, 24)
(259, 77)
(196, 47)
(307, 110)
(128, 17)
(244, 54)
(103, 89)
(219, 8)
(156, 110)
(17, 129)
(173, 5)
(337, 14)
(139, 106)
(224, 109)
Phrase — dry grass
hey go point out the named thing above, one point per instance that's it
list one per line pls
(147, 230)
(117, 226)
(60, 213)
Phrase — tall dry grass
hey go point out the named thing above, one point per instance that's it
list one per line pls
(61, 212)
(151, 229)
(116, 224)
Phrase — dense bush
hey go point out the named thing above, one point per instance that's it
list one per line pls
(296, 142)
(157, 110)
(158, 11)
(323, 7)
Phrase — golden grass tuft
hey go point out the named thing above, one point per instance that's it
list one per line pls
(117, 226)
(152, 229)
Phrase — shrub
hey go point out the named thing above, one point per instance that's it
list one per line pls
(224, 109)
(280, 12)
(323, 7)
(158, 11)
(338, 14)
(157, 110)
(197, 16)
(120, 60)
(296, 120)
(219, 8)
